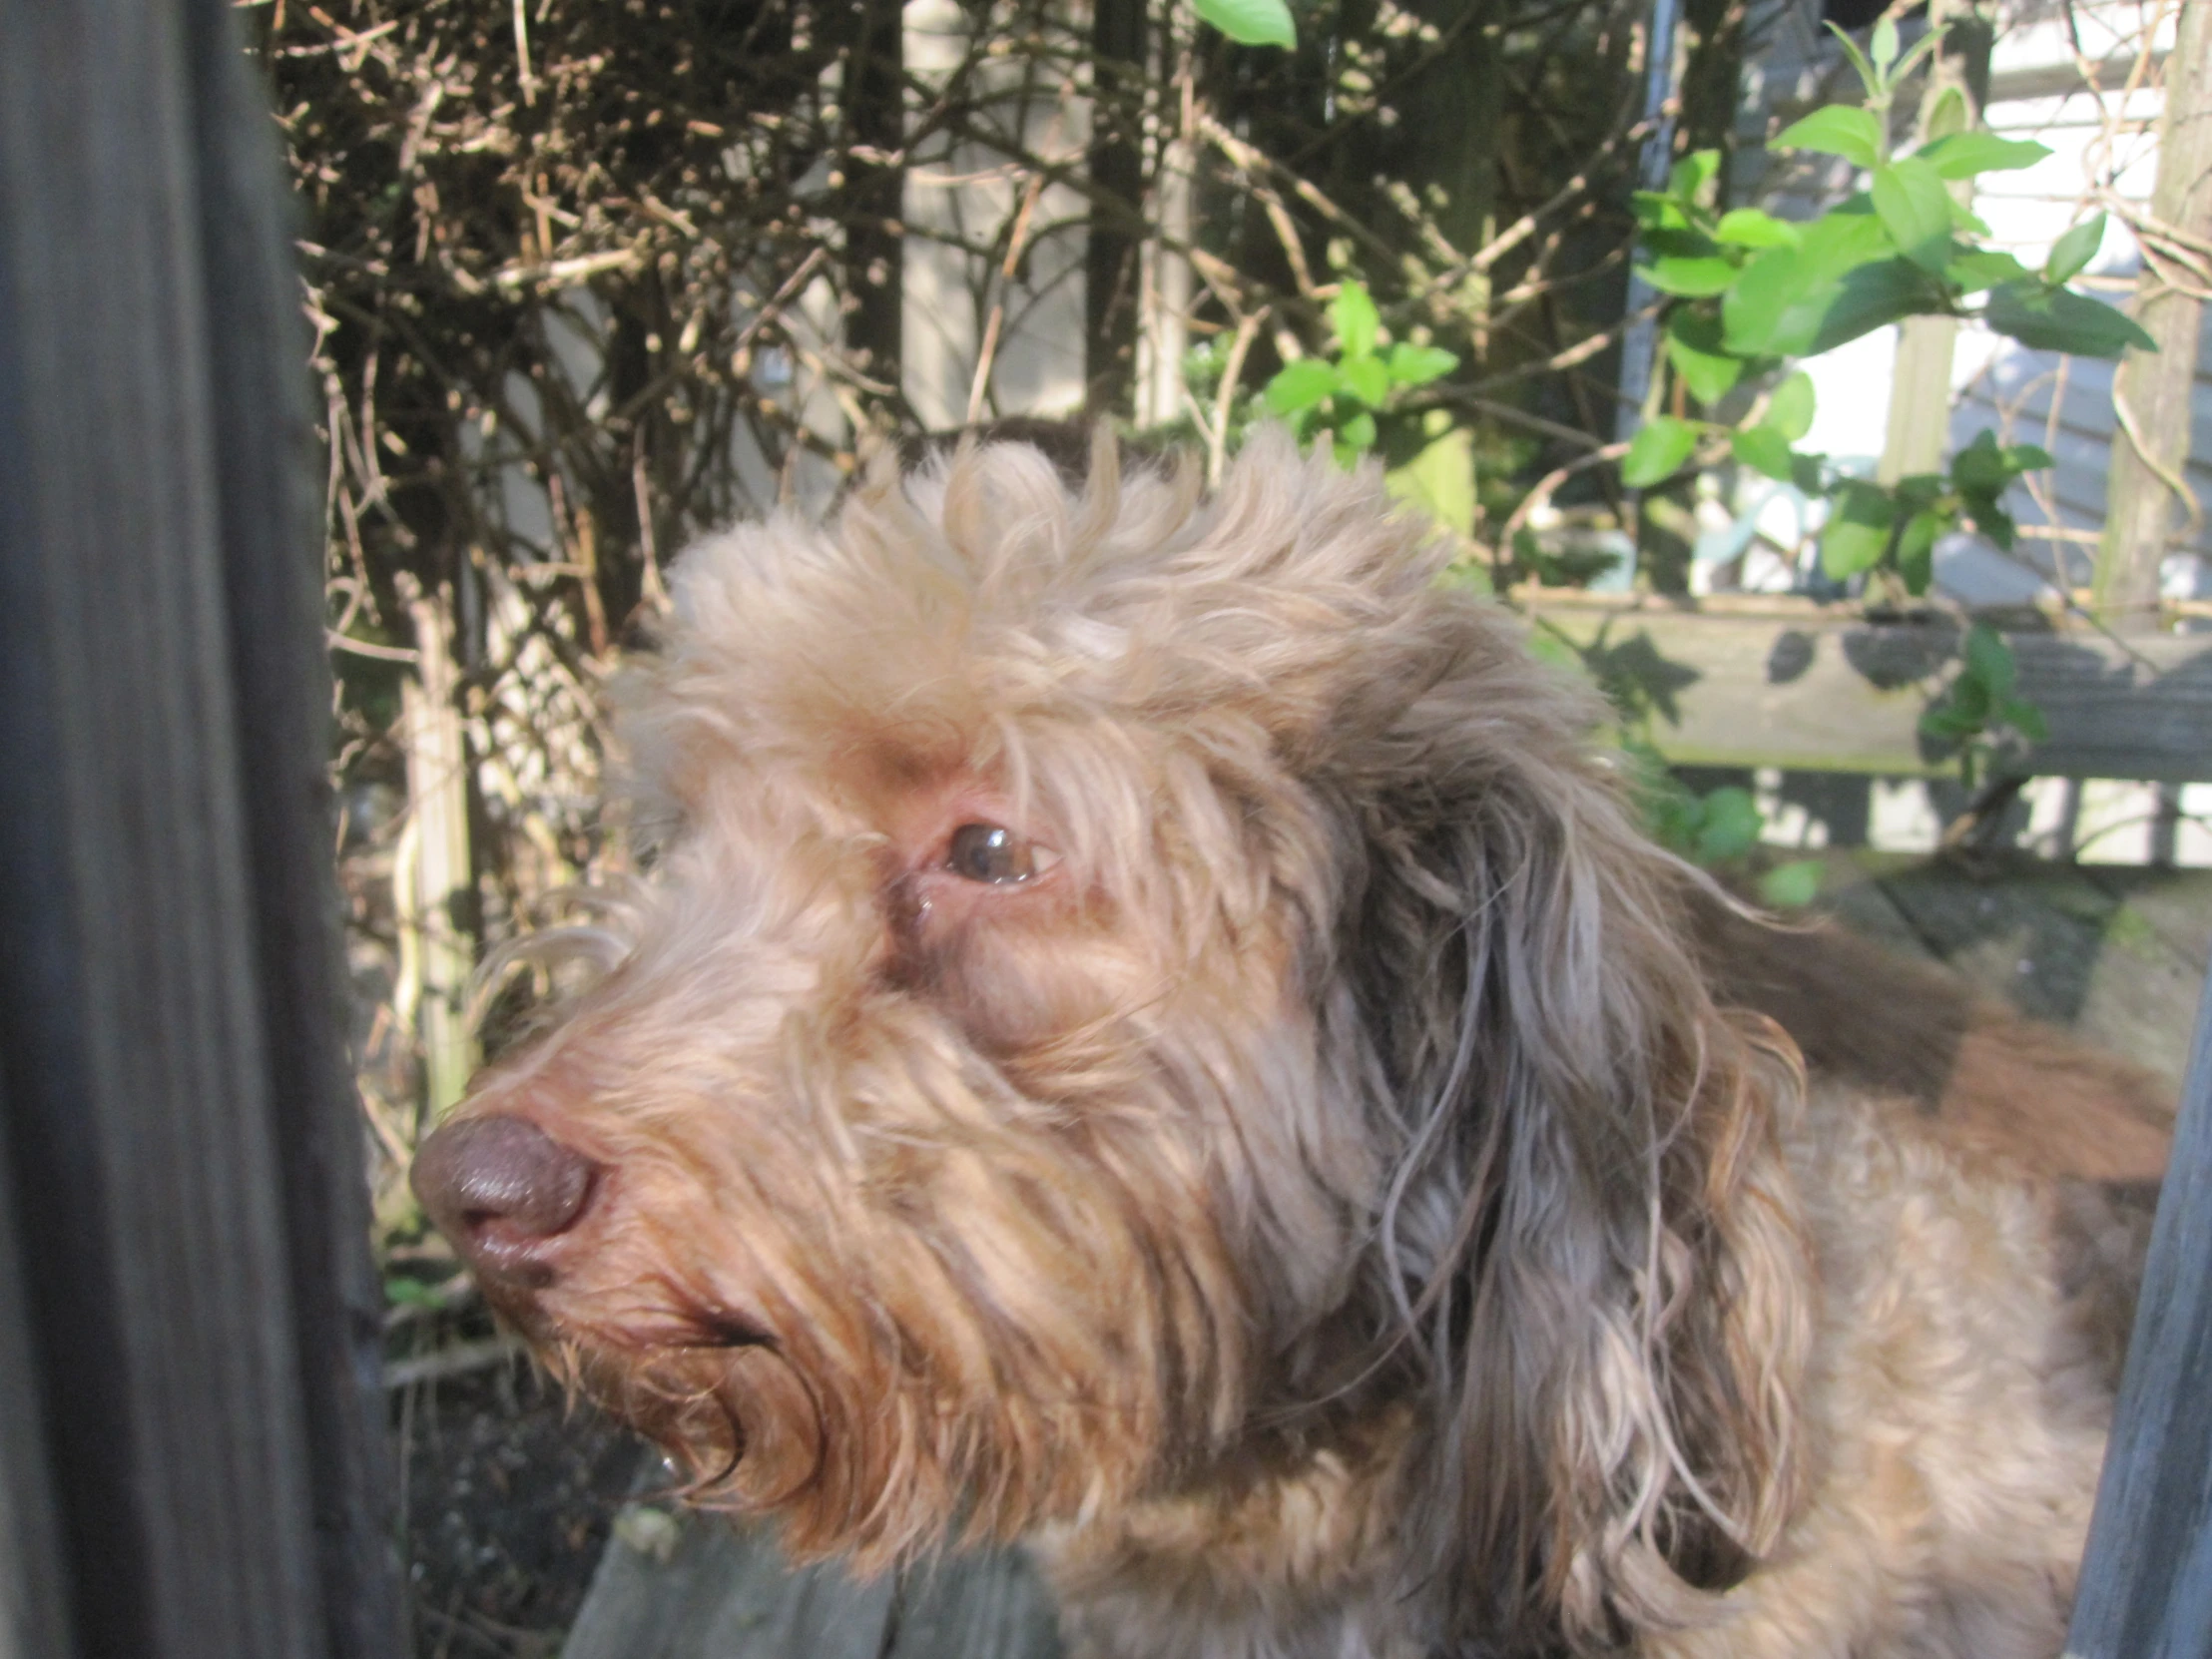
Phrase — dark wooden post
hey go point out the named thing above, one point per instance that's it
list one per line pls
(1116, 161)
(875, 235)
(2146, 1581)
(188, 1319)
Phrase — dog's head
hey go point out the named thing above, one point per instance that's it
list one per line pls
(1120, 967)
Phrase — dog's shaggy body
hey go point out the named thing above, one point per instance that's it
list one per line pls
(1152, 1030)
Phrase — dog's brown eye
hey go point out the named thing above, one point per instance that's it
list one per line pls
(991, 853)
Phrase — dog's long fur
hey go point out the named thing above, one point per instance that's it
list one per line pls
(1356, 1199)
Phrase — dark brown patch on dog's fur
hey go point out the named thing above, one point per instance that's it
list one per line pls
(2008, 1093)
(2003, 1090)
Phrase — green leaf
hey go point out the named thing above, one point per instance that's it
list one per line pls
(1882, 46)
(1989, 518)
(1866, 73)
(1915, 211)
(402, 1292)
(1989, 660)
(1749, 228)
(2059, 319)
(1965, 220)
(1365, 377)
(1973, 268)
(2071, 253)
(2027, 457)
(1301, 386)
(2025, 717)
(1358, 433)
(1869, 298)
(1917, 490)
(1354, 317)
(1694, 347)
(1964, 154)
(1969, 701)
(1838, 129)
(1657, 452)
(1692, 173)
(1948, 724)
(1250, 22)
(1691, 278)
(1765, 449)
(1793, 885)
(1440, 480)
(1416, 366)
(1816, 318)
(1783, 301)
(1655, 211)
(1858, 532)
(1789, 410)
(1981, 465)
(1730, 824)
(1916, 549)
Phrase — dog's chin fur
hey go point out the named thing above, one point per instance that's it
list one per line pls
(1325, 1208)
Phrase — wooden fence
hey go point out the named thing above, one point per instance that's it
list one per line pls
(191, 1433)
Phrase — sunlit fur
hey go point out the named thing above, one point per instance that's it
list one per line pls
(1326, 1210)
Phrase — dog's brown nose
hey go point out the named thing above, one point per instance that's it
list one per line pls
(504, 1191)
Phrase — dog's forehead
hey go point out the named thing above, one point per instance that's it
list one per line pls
(986, 613)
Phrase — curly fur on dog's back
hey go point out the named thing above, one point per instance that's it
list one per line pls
(1155, 1030)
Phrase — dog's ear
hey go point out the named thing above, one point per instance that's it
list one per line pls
(1590, 1233)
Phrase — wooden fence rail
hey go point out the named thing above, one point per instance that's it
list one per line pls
(1793, 684)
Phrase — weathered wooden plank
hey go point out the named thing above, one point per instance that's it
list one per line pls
(985, 1606)
(268, 512)
(2146, 1579)
(1851, 891)
(2065, 947)
(1830, 692)
(173, 1165)
(682, 1586)
(690, 1586)
(34, 1576)
(2175, 905)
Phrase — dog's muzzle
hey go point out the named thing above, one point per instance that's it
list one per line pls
(506, 1193)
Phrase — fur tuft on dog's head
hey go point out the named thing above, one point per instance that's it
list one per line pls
(1343, 1049)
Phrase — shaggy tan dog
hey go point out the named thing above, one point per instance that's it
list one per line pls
(1153, 1031)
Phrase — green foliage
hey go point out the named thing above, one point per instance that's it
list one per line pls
(1748, 292)
(1978, 716)
(1250, 22)
(1791, 886)
(1720, 829)
(1352, 394)
(1658, 450)
(1854, 134)
(1903, 247)
(2071, 253)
